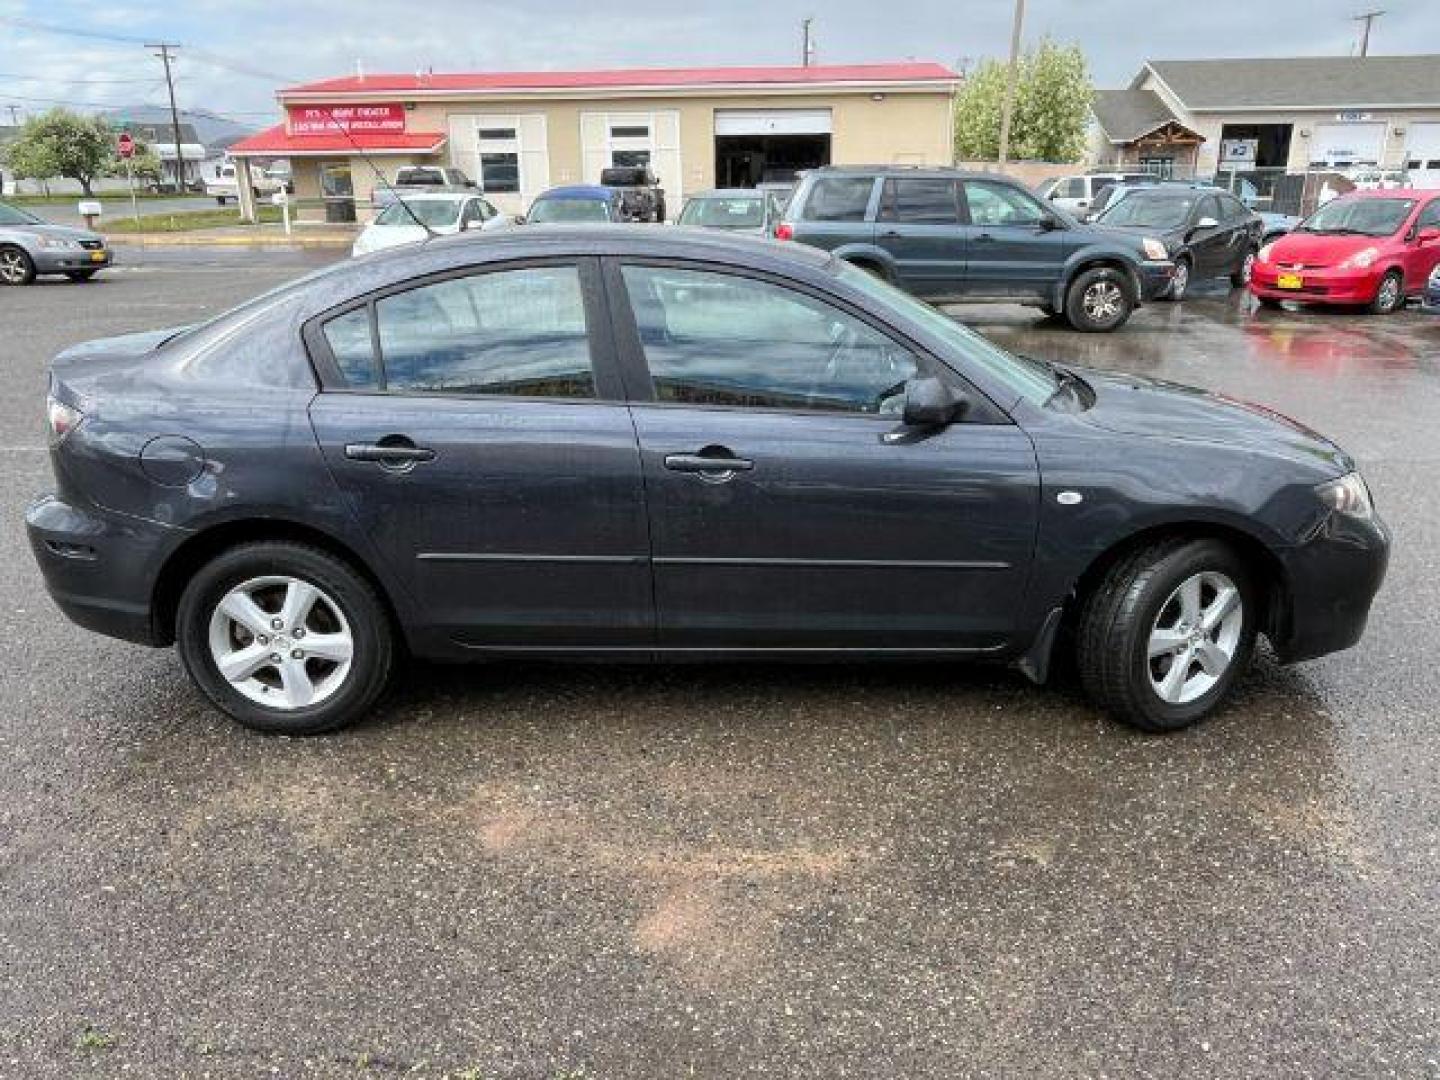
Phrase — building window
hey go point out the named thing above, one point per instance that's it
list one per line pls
(630, 131)
(621, 159)
(500, 173)
(1163, 167)
(487, 134)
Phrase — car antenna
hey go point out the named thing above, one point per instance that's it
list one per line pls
(429, 232)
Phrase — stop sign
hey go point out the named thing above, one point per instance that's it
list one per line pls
(125, 145)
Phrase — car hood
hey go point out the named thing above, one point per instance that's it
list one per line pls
(1317, 249)
(57, 232)
(383, 237)
(1135, 405)
(1137, 231)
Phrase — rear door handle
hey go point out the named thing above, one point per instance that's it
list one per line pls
(393, 454)
(893, 234)
(704, 463)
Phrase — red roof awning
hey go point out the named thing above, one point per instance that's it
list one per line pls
(277, 142)
(656, 78)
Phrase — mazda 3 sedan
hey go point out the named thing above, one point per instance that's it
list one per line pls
(619, 442)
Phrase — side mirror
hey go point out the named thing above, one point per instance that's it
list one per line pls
(473, 224)
(929, 403)
(1429, 234)
(1207, 223)
(1048, 224)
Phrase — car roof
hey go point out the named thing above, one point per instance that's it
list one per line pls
(923, 171)
(1391, 193)
(727, 193)
(449, 195)
(578, 191)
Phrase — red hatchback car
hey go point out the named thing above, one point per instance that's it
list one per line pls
(1371, 248)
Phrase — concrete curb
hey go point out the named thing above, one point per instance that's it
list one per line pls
(201, 239)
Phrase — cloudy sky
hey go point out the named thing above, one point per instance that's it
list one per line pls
(235, 51)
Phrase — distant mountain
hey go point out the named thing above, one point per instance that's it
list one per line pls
(209, 128)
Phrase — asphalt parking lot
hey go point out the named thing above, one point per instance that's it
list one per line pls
(546, 872)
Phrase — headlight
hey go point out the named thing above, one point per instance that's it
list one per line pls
(1154, 249)
(1347, 495)
(1264, 253)
(53, 242)
(62, 419)
(1361, 260)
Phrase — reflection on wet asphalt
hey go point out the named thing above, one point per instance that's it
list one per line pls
(742, 870)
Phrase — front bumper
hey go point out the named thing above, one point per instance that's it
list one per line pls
(1324, 286)
(100, 567)
(1331, 581)
(68, 260)
(1155, 278)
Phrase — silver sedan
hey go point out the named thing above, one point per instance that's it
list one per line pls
(30, 246)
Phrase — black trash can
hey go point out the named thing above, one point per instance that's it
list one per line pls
(339, 211)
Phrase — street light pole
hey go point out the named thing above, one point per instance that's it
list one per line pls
(164, 55)
(1009, 110)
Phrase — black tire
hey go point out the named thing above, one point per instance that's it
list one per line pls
(373, 641)
(16, 266)
(1112, 644)
(1269, 303)
(1180, 283)
(220, 200)
(1076, 312)
(80, 275)
(1389, 294)
(1240, 279)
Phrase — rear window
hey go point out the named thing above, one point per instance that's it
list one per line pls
(838, 198)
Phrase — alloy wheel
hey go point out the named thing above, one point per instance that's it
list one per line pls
(1181, 281)
(1247, 268)
(1102, 301)
(1194, 637)
(281, 642)
(13, 267)
(1389, 293)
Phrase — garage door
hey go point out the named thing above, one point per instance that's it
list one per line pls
(1422, 155)
(1347, 144)
(772, 122)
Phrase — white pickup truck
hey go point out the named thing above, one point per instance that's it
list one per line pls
(224, 188)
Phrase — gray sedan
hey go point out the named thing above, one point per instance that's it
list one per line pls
(30, 246)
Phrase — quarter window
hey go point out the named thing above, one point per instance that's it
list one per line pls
(515, 332)
(838, 198)
(921, 202)
(1429, 217)
(721, 339)
(1001, 204)
(349, 339)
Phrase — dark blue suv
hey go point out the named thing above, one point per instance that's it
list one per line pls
(949, 236)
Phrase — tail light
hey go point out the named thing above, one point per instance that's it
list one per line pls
(784, 231)
(62, 419)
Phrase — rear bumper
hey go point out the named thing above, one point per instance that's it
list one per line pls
(50, 261)
(99, 567)
(1332, 580)
(1317, 286)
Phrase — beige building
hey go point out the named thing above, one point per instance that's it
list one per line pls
(518, 133)
(1275, 114)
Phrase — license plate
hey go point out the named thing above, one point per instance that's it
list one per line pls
(1289, 281)
(97, 256)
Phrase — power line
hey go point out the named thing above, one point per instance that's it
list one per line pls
(15, 77)
(68, 31)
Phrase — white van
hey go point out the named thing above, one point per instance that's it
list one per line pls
(1076, 193)
(222, 187)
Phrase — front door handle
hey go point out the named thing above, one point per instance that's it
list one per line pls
(893, 234)
(714, 463)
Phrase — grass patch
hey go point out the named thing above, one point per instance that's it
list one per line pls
(108, 196)
(92, 1039)
(185, 221)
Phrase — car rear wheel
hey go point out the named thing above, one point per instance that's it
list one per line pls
(1180, 283)
(1167, 632)
(1099, 300)
(1390, 295)
(285, 638)
(1245, 271)
(16, 267)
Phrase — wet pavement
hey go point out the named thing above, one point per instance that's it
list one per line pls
(545, 872)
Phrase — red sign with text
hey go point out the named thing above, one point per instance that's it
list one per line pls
(329, 119)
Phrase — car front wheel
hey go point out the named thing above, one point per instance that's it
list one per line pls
(1167, 632)
(16, 267)
(1245, 271)
(285, 638)
(1099, 300)
(1390, 295)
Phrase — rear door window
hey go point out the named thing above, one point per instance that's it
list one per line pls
(838, 198)
(920, 201)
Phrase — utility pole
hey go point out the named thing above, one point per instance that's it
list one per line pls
(1010, 80)
(164, 55)
(1368, 18)
(14, 115)
(807, 44)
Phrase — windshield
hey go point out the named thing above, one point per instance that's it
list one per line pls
(11, 215)
(1027, 378)
(736, 213)
(1362, 217)
(552, 210)
(431, 212)
(1151, 210)
(420, 177)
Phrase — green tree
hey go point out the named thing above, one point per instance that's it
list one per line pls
(1053, 95)
(62, 143)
